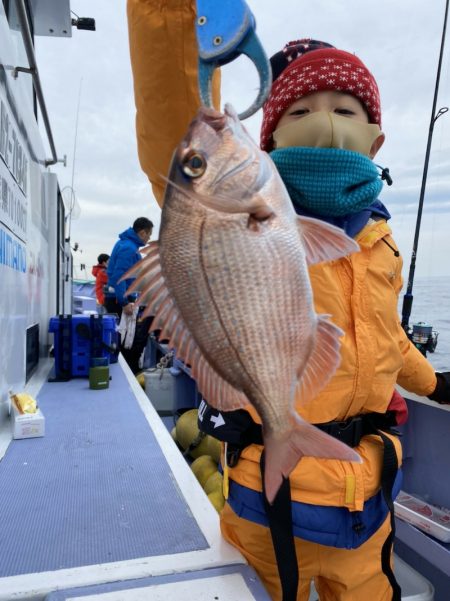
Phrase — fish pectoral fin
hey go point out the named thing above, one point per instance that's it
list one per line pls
(304, 440)
(323, 241)
(323, 361)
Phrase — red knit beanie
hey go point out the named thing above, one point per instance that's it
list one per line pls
(308, 66)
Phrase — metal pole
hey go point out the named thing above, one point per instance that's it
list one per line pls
(76, 135)
(33, 70)
(408, 297)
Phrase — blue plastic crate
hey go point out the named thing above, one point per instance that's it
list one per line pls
(61, 328)
(78, 338)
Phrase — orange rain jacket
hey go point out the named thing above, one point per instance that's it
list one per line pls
(360, 292)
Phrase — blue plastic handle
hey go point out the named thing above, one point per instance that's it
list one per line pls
(226, 29)
(221, 27)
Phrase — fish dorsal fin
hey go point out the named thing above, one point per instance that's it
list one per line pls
(323, 241)
(323, 362)
(153, 293)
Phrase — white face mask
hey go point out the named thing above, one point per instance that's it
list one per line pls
(327, 130)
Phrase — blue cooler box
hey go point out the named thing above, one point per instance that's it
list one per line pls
(79, 338)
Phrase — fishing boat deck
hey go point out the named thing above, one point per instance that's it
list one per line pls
(425, 441)
(105, 507)
(105, 502)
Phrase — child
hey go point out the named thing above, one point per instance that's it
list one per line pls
(322, 126)
(101, 278)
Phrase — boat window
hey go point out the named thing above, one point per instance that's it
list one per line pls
(21, 59)
(32, 349)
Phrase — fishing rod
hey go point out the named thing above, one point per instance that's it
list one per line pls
(422, 334)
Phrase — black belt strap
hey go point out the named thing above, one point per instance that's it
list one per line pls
(279, 515)
(388, 474)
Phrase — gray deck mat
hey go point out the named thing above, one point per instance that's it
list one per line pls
(95, 489)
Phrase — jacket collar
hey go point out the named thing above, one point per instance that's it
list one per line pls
(372, 233)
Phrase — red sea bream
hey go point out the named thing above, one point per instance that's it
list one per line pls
(228, 284)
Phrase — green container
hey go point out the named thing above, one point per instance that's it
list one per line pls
(99, 377)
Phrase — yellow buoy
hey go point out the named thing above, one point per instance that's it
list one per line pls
(217, 499)
(203, 467)
(213, 483)
(188, 432)
(141, 379)
(214, 448)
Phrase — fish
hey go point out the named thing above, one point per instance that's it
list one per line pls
(227, 283)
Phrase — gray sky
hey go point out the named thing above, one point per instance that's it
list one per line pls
(399, 41)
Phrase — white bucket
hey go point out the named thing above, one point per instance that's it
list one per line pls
(414, 586)
(160, 390)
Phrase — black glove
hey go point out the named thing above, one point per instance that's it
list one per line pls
(441, 393)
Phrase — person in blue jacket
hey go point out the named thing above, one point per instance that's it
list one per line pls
(124, 255)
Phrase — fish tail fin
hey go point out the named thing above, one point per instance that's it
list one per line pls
(304, 440)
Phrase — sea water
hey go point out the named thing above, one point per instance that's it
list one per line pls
(431, 304)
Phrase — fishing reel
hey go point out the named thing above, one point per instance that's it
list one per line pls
(423, 337)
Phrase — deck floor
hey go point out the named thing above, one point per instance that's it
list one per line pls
(95, 489)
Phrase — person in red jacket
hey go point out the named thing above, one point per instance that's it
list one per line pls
(101, 278)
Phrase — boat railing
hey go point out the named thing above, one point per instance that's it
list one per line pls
(34, 72)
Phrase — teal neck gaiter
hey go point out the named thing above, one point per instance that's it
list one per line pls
(328, 181)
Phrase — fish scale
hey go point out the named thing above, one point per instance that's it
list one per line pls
(252, 311)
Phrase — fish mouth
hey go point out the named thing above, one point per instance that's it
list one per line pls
(215, 119)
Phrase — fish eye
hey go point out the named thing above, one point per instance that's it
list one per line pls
(194, 164)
